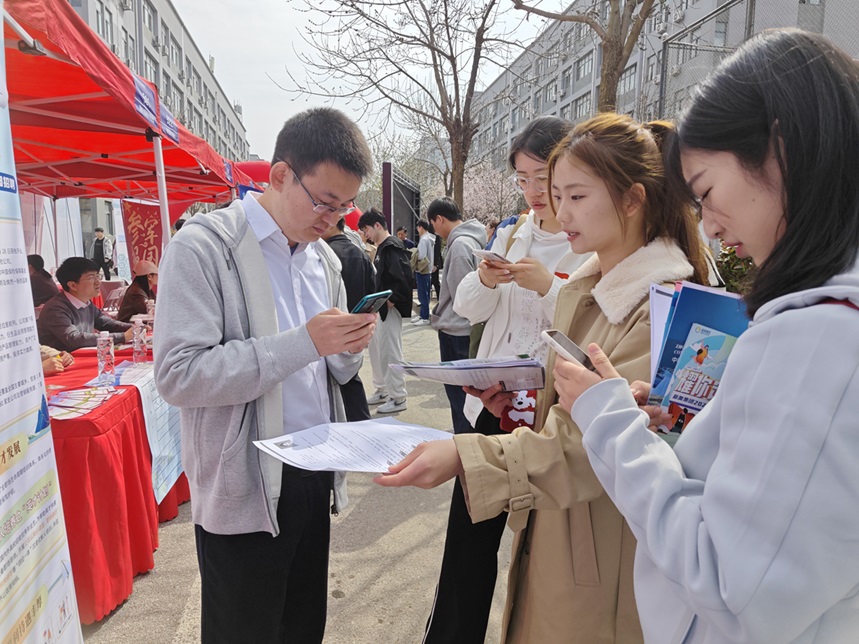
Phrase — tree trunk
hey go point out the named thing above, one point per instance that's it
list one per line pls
(610, 71)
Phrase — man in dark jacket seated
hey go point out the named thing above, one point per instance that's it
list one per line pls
(70, 320)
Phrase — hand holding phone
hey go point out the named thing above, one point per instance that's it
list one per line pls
(566, 348)
(373, 302)
(489, 256)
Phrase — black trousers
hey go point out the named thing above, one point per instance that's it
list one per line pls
(455, 347)
(263, 589)
(469, 567)
(106, 269)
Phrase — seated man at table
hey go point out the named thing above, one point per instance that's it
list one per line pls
(70, 320)
(252, 342)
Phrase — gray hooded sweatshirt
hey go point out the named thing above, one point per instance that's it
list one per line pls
(220, 358)
(460, 261)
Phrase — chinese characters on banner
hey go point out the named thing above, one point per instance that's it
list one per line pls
(37, 592)
(142, 230)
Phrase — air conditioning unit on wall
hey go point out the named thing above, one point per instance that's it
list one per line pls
(675, 70)
(679, 16)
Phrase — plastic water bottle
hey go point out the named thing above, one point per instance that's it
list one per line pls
(139, 341)
(104, 349)
(150, 308)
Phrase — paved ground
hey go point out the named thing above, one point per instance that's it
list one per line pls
(385, 553)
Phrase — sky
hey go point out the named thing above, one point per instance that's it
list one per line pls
(253, 49)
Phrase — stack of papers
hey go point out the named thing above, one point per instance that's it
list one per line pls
(73, 403)
(365, 446)
(514, 373)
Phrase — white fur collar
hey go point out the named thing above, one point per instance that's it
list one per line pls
(623, 287)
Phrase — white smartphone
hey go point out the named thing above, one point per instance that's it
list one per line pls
(489, 256)
(566, 348)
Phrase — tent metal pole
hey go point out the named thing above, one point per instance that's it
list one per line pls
(162, 192)
(56, 232)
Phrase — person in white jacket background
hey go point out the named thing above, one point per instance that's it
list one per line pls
(749, 530)
(516, 301)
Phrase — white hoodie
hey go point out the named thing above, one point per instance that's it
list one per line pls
(749, 530)
(515, 316)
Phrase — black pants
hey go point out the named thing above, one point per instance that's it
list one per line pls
(104, 267)
(355, 400)
(466, 584)
(455, 347)
(263, 589)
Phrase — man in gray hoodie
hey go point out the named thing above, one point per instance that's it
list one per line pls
(252, 342)
(462, 237)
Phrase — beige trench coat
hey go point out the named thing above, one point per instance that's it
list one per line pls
(571, 575)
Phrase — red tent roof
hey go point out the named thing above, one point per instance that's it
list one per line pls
(80, 118)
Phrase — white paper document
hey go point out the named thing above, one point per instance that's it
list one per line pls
(365, 446)
(513, 373)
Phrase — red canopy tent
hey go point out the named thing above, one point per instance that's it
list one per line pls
(84, 125)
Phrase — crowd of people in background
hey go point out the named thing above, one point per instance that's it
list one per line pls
(744, 531)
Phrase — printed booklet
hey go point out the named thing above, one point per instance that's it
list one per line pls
(693, 306)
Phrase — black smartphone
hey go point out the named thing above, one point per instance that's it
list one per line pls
(566, 348)
(372, 302)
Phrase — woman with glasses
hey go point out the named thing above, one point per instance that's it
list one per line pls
(571, 574)
(516, 301)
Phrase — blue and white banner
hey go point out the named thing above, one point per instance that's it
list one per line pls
(37, 592)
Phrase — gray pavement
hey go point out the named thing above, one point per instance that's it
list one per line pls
(385, 552)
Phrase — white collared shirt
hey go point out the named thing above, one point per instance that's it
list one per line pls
(300, 292)
(78, 304)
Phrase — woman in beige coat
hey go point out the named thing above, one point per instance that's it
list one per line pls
(571, 576)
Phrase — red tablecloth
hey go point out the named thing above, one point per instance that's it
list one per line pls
(105, 474)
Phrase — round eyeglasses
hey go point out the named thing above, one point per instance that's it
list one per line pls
(539, 183)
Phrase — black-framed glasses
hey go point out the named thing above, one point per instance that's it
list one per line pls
(321, 208)
(540, 183)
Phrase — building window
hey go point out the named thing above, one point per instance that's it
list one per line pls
(651, 67)
(721, 37)
(551, 92)
(565, 112)
(198, 83)
(584, 65)
(582, 107)
(566, 80)
(150, 68)
(537, 102)
(626, 82)
(175, 54)
(150, 17)
(108, 27)
(99, 18)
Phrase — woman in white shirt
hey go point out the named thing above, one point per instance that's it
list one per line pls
(516, 301)
(749, 531)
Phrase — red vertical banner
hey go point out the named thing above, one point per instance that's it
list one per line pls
(142, 230)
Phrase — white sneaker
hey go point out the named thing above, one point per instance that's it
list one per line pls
(421, 322)
(378, 398)
(415, 318)
(393, 406)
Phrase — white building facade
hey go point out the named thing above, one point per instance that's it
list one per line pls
(150, 37)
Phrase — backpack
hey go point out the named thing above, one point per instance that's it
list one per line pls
(418, 265)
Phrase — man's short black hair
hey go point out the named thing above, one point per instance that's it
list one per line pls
(178, 225)
(371, 218)
(444, 207)
(99, 229)
(323, 135)
(36, 261)
(72, 269)
(341, 224)
(403, 228)
(427, 226)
